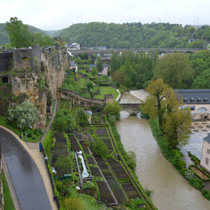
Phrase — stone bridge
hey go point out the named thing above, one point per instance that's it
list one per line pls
(152, 50)
(130, 108)
(76, 99)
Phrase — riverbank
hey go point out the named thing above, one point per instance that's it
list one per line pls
(171, 190)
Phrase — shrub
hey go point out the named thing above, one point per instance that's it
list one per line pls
(196, 183)
(58, 185)
(206, 194)
(100, 148)
(112, 120)
(131, 160)
(86, 142)
(47, 142)
(189, 174)
(73, 203)
(147, 191)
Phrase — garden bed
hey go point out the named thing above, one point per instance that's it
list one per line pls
(130, 190)
(74, 145)
(202, 175)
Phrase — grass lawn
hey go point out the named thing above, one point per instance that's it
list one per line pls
(84, 72)
(14, 128)
(106, 90)
(82, 82)
(87, 95)
(8, 204)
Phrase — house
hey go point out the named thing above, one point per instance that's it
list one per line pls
(205, 155)
(198, 100)
(91, 66)
(74, 46)
(73, 66)
(102, 47)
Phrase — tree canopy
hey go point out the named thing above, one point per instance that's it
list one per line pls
(25, 114)
(175, 70)
(113, 109)
(163, 103)
(18, 33)
(63, 121)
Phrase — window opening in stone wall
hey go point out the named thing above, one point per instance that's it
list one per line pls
(208, 151)
(199, 100)
(185, 99)
(207, 161)
(5, 79)
(205, 100)
(25, 59)
(192, 100)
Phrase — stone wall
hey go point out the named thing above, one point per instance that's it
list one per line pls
(36, 75)
(5, 61)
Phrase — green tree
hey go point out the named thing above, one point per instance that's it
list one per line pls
(113, 109)
(175, 70)
(174, 122)
(99, 64)
(18, 33)
(82, 118)
(90, 85)
(25, 114)
(63, 164)
(94, 71)
(63, 121)
(100, 148)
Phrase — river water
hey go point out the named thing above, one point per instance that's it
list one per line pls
(170, 190)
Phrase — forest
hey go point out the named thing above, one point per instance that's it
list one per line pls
(178, 70)
(136, 35)
(127, 35)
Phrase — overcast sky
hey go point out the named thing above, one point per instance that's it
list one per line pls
(59, 14)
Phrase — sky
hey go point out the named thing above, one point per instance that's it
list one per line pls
(59, 14)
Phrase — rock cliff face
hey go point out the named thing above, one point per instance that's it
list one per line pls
(36, 75)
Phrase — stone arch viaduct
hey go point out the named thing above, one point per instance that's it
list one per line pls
(152, 50)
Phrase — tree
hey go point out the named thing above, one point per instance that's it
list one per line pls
(94, 71)
(100, 148)
(99, 64)
(113, 109)
(63, 164)
(63, 121)
(25, 114)
(175, 70)
(82, 118)
(90, 85)
(174, 122)
(18, 33)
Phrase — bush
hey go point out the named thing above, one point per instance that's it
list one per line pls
(189, 174)
(131, 160)
(112, 120)
(196, 183)
(34, 136)
(47, 142)
(73, 203)
(206, 194)
(100, 148)
(147, 191)
(58, 185)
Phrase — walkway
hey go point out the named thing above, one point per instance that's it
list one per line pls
(25, 176)
(31, 151)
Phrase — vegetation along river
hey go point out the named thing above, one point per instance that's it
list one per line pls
(171, 190)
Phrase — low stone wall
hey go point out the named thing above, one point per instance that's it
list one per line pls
(1, 184)
(77, 99)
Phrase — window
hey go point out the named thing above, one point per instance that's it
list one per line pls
(207, 161)
(185, 99)
(192, 100)
(205, 100)
(208, 151)
(199, 100)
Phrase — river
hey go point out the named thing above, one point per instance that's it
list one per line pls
(170, 190)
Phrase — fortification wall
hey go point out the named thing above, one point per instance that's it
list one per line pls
(5, 61)
(36, 75)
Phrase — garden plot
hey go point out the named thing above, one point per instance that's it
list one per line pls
(101, 132)
(113, 184)
(130, 190)
(85, 148)
(96, 119)
(118, 169)
(116, 189)
(60, 139)
(108, 144)
(105, 194)
(95, 171)
(74, 145)
(78, 136)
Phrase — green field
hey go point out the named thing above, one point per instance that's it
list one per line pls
(106, 90)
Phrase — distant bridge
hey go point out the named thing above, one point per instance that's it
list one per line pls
(152, 50)
(130, 108)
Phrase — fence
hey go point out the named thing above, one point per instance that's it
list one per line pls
(51, 179)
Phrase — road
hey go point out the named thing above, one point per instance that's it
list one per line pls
(26, 179)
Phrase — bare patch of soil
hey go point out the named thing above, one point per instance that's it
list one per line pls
(201, 174)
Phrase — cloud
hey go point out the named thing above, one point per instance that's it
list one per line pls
(58, 14)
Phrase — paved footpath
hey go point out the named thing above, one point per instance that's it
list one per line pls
(30, 188)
